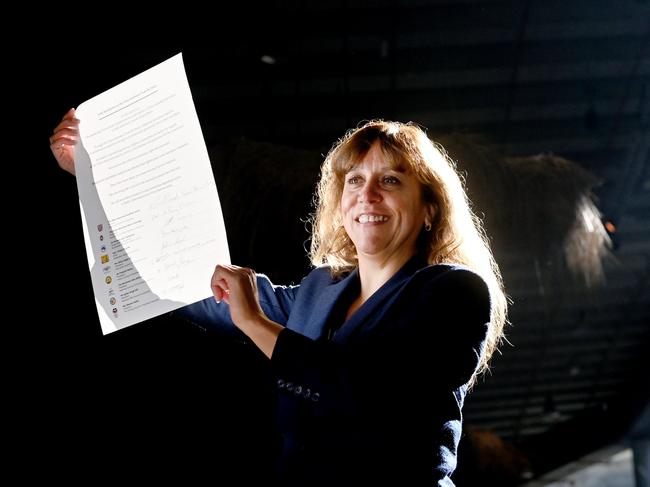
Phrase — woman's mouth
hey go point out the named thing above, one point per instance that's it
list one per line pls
(371, 218)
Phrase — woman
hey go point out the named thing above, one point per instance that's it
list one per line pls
(376, 349)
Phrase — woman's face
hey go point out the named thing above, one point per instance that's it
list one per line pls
(382, 208)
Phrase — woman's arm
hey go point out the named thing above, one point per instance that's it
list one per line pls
(212, 316)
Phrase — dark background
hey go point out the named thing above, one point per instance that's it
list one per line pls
(531, 77)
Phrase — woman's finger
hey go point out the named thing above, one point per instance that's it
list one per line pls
(67, 134)
(222, 292)
(219, 285)
(69, 114)
(71, 124)
(61, 141)
(57, 140)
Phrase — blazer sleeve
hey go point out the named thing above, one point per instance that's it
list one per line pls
(210, 316)
(432, 336)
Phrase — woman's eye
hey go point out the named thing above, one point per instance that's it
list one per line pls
(354, 179)
(391, 180)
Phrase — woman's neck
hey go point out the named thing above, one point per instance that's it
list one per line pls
(374, 273)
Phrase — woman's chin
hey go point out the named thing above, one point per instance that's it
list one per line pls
(371, 249)
(378, 253)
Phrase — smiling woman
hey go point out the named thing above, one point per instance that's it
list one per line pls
(405, 298)
(405, 295)
(424, 179)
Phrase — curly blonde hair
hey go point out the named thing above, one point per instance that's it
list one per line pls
(457, 235)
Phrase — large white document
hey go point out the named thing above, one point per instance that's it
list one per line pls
(152, 220)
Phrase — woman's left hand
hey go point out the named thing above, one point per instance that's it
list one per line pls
(237, 286)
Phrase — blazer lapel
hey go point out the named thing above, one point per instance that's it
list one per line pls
(370, 312)
(325, 305)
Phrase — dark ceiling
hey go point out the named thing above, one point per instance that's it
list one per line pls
(566, 77)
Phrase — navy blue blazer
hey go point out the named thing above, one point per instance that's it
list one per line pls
(379, 396)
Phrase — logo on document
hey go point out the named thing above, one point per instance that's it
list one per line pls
(104, 259)
(101, 238)
(100, 227)
(112, 301)
(115, 312)
(109, 279)
(102, 249)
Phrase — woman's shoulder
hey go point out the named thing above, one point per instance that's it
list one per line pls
(451, 276)
(445, 269)
(322, 275)
(449, 289)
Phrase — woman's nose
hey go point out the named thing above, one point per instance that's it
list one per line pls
(369, 193)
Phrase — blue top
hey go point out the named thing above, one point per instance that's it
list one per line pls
(377, 397)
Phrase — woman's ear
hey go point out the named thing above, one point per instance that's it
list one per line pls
(428, 219)
(431, 213)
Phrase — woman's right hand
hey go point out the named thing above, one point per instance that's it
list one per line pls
(63, 140)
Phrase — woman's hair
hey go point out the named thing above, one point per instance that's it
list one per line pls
(456, 236)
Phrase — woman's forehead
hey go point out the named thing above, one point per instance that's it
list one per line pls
(385, 162)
